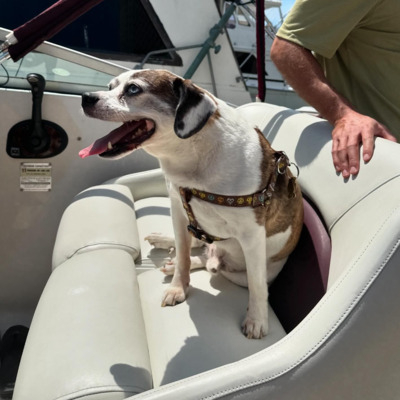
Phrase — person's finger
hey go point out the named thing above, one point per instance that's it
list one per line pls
(342, 156)
(353, 155)
(387, 135)
(344, 163)
(340, 161)
(335, 156)
(368, 148)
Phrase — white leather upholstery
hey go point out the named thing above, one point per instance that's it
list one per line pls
(87, 338)
(143, 185)
(203, 332)
(99, 217)
(347, 347)
(307, 142)
(91, 307)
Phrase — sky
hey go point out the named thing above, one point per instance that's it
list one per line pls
(287, 5)
(273, 15)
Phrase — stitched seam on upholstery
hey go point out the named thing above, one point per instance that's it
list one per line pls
(360, 200)
(317, 345)
(122, 246)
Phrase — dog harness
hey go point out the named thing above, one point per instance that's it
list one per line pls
(258, 199)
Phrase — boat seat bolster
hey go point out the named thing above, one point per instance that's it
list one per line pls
(87, 338)
(143, 185)
(99, 217)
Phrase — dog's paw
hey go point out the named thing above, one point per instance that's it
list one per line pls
(160, 241)
(169, 267)
(173, 295)
(255, 328)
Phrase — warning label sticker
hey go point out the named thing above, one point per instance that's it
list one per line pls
(35, 177)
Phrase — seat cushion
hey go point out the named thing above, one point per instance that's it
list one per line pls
(202, 333)
(206, 327)
(99, 217)
(87, 338)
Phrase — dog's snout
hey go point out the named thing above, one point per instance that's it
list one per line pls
(89, 99)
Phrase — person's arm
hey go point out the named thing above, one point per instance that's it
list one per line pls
(303, 72)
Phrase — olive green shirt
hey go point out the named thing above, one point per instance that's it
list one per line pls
(357, 43)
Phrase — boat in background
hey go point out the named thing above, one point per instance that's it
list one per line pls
(161, 35)
(155, 34)
(241, 29)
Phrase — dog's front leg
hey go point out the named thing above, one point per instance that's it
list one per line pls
(255, 325)
(176, 293)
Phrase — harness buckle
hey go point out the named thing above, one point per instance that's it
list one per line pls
(282, 163)
(263, 199)
(199, 234)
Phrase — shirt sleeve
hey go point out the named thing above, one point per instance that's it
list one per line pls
(322, 25)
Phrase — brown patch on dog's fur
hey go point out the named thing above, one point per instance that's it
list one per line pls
(159, 85)
(159, 90)
(215, 116)
(282, 211)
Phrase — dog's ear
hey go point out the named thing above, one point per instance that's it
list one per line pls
(194, 108)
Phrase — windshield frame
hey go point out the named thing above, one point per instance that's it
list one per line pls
(102, 69)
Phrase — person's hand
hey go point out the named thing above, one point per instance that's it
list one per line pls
(302, 71)
(348, 134)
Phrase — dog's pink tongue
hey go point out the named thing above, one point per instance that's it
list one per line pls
(94, 148)
(101, 145)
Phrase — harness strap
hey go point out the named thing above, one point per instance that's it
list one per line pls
(193, 227)
(252, 200)
(258, 199)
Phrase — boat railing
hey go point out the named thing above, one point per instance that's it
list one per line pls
(165, 51)
(205, 47)
(153, 53)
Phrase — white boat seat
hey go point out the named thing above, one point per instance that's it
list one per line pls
(94, 305)
(90, 308)
(99, 333)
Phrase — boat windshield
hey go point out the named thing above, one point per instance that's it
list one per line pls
(65, 70)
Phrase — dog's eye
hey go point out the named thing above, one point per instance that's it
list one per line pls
(132, 90)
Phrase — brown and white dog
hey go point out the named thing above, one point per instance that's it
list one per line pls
(204, 146)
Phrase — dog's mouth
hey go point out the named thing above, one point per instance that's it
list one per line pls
(128, 137)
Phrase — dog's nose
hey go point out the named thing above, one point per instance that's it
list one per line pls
(89, 99)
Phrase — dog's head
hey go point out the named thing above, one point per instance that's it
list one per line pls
(150, 104)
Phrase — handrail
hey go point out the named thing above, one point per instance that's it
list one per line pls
(175, 49)
(205, 47)
(163, 51)
(215, 31)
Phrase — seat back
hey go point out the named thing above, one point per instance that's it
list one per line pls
(304, 278)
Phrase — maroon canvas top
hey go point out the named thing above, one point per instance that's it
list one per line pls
(47, 24)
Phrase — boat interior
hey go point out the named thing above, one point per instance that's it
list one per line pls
(80, 287)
